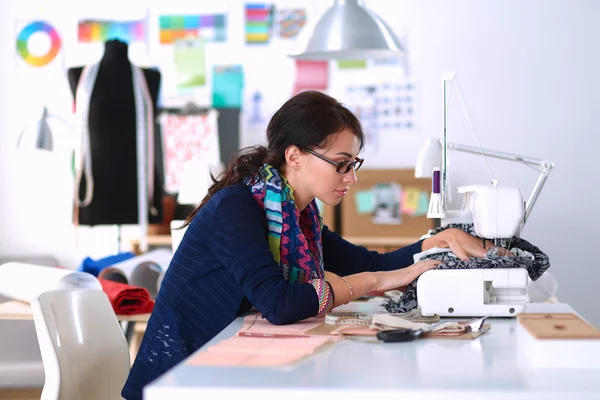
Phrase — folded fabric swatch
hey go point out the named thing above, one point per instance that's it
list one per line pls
(384, 322)
(127, 299)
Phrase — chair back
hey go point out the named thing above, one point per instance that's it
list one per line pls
(84, 350)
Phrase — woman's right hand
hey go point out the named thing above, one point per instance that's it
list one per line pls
(390, 280)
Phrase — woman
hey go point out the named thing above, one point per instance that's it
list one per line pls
(256, 240)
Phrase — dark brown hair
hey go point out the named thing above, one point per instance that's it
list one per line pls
(306, 121)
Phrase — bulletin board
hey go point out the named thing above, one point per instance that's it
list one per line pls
(401, 198)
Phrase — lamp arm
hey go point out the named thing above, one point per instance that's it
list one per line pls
(61, 119)
(538, 187)
(545, 165)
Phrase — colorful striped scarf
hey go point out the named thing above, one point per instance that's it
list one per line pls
(294, 236)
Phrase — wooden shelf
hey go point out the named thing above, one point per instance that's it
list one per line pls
(398, 241)
(153, 241)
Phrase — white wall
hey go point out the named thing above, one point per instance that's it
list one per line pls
(528, 70)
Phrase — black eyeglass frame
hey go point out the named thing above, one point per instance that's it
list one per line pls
(356, 164)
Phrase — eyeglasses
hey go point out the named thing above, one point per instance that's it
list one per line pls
(341, 167)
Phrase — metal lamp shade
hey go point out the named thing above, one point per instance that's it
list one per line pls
(348, 31)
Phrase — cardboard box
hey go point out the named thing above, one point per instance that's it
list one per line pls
(558, 341)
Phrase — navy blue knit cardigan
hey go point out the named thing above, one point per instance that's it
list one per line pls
(221, 269)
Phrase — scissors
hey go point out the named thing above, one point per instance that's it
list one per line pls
(407, 335)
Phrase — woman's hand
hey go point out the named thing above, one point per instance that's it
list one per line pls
(462, 244)
(390, 280)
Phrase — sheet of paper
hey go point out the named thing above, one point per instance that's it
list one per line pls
(258, 325)
(311, 75)
(249, 351)
(410, 200)
(365, 201)
(227, 86)
(189, 63)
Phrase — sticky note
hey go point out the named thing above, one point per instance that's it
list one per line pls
(365, 202)
(410, 201)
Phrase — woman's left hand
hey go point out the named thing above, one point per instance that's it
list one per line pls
(462, 244)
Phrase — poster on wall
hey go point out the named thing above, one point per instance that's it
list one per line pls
(311, 75)
(209, 27)
(258, 23)
(189, 63)
(289, 22)
(384, 108)
(99, 31)
(38, 44)
(227, 86)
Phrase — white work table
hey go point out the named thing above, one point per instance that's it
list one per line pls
(490, 366)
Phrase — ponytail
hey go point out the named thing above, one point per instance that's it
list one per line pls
(246, 164)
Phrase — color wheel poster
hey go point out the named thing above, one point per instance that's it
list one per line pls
(38, 44)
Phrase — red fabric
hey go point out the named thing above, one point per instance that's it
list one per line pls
(127, 299)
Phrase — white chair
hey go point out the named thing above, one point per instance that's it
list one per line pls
(83, 347)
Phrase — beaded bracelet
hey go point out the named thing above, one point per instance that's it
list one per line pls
(350, 287)
(325, 296)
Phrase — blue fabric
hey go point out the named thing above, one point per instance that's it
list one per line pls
(223, 267)
(94, 267)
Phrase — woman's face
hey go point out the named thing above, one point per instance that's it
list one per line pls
(320, 179)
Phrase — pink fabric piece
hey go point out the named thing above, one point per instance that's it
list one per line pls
(290, 344)
(255, 351)
(256, 324)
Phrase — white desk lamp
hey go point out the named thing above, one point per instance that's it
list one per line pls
(44, 138)
(347, 31)
(496, 212)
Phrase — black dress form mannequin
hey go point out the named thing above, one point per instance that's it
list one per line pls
(112, 132)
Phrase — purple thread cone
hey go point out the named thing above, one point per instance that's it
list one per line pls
(435, 182)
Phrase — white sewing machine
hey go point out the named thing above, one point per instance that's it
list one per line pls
(497, 212)
(480, 292)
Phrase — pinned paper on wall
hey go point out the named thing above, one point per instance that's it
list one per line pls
(185, 138)
(383, 108)
(259, 23)
(209, 27)
(365, 201)
(290, 22)
(227, 86)
(387, 199)
(352, 64)
(189, 63)
(38, 43)
(360, 100)
(311, 75)
(94, 31)
(410, 201)
(396, 104)
(386, 202)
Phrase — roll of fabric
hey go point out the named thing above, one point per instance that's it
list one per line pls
(95, 266)
(126, 299)
(141, 271)
(25, 282)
